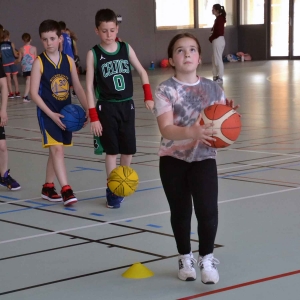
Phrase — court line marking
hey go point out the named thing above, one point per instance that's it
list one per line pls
(157, 179)
(132, 218)
(236, 286)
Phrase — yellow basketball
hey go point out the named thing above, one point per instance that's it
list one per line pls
(123, 181)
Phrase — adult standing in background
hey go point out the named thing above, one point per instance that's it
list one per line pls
(218, 42)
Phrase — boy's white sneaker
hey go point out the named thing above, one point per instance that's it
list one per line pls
(186, 264)
(208, 269)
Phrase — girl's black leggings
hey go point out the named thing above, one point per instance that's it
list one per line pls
(186, 184)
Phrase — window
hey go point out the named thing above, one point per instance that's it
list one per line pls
(174, 14)
(181, 14)
(205, 17)
(252, 12)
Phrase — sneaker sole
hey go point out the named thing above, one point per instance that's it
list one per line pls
(15, 189)
(210, 282)
(187, 278)
(115, 206)
(70, 201)
(51, 199)
(12, 189)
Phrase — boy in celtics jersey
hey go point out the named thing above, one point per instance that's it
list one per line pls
(109, 78)
(51, 75)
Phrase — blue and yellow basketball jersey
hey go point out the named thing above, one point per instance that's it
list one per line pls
(55, 91)
(55, 81)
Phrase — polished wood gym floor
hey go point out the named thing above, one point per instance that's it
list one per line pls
(51, 252)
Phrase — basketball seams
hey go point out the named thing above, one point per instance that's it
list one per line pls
(226, 123)
(74, 117)
(120, 181)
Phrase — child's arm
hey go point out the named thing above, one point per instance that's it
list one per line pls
(75, 48)
(149, 103)
(16, 53)
(96, 127)
(4, 94)
(173, 132)
(77, 86)
(20, 56)
(34, 52)
(34, 91)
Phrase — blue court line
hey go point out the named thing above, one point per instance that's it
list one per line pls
(153, 225)
(10, 198)
(60, 203)
(97, 215)
(86, 169)
(34, 202)
(25, 208)
(70, 208)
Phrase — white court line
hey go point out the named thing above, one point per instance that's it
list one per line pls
(158, 179)
(132, 218)
(255, 164)
(76, 192)
(23, 139)
(148, 142)
(259, 195)
(264, 152)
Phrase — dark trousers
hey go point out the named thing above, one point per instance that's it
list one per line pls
(186, 184)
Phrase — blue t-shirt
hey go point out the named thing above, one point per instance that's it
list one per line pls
(67, 45)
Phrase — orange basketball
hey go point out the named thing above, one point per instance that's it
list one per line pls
(227, 123)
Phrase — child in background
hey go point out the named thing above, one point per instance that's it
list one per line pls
(5, 179)
(218, 42)
(27, 55)
(187, 164)
(113, 119)
(9, 55)
(51, 74)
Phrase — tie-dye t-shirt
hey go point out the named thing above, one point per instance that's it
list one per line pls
(186, 101)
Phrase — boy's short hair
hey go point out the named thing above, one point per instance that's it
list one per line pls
(49, 25)
(26, 37)
(5, 34)
(62, 25)
(105, 15)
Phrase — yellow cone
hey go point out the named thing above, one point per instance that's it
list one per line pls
(137, 271)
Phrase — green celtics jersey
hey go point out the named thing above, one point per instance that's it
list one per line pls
(113, 78)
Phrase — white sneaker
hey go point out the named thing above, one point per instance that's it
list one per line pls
(208, 269)
(219, 80)
(186, 267)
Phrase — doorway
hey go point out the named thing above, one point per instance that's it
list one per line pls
(285, 19)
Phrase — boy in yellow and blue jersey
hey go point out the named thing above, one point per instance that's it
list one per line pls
(51, 75)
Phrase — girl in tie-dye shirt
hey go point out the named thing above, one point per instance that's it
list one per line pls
(187, 162)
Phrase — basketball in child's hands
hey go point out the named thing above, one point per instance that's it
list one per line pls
(123, 181)
(74, 117)
(226, 121)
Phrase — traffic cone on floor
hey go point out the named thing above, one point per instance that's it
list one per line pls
(137, 271)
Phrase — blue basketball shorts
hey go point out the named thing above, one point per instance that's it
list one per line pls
(10, 69)
(51, 133)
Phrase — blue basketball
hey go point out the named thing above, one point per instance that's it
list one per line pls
(74, 117)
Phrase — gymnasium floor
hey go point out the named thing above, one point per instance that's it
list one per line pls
(51, 252)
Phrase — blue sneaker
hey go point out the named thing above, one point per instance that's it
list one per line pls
(113, 201)
(9, 182)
